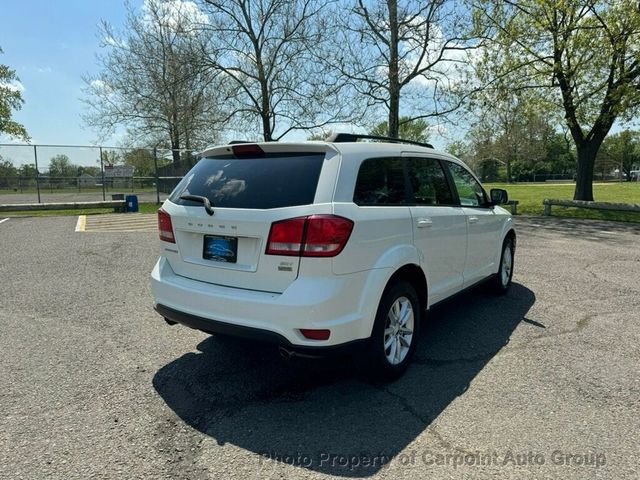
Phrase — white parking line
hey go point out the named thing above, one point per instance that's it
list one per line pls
(4, 220)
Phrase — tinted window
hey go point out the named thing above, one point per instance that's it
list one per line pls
(381, 181)
(469, 190)
(271, 181)
(428, 182)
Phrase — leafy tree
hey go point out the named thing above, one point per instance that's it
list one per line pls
(28, 170)
(406, 57)
(622, 151)
(582, 55)
(152, 80)
(61, 166)
(510, 136)
(320, 135)
(458, 149)
(7, 172)
(416, 130)
(143, 161)
(10, 99)
(111, 157)
(271, 51)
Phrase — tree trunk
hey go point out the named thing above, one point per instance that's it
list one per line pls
(394, 83)
(174, 133)
(175, 145)
(265, 110)
(266, 127)
(584, 179)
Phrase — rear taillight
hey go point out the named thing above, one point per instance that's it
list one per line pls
(326, 235)
(165, 228)
(285, 237)
(312, 236)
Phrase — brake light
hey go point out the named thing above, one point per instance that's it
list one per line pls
(326, 235)
(165, 228)
(285, 237)
(247, 150)
(312, 236)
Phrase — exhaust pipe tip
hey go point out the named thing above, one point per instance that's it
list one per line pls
(285, 353)
(289, 354)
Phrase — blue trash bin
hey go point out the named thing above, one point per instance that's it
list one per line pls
(132, 203)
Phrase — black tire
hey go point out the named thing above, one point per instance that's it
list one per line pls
(502, 281)
(374, 362)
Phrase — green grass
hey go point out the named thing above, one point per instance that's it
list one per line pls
(530, 196)
(143, 208)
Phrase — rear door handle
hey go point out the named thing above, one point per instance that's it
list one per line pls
(424, 222)
(473, 219)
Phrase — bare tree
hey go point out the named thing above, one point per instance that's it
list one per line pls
(412, 51)
(272, 51)
(152, 80)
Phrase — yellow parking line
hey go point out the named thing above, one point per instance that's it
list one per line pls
(124, 223)
(82, 222)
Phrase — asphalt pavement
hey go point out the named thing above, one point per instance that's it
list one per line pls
(540, 383)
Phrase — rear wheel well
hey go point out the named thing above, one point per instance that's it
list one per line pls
(414, 275)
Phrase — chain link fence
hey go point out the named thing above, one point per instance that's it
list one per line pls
(75, 173)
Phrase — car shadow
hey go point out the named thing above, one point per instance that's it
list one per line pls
(319, 414)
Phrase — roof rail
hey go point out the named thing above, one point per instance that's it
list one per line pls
(354, 137)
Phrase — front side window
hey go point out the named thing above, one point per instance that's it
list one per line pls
(470, 192)
(428, 182)
(381, 181)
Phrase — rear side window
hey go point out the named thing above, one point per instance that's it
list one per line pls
(381, 181)
(270, 181)
(428, 182)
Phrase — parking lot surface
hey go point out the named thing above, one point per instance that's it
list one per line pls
(541, 383)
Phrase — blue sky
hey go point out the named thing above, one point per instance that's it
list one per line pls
(51, 45)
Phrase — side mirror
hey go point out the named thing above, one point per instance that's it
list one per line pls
(499, 196)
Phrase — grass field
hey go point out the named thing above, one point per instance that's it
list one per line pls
(531, 195)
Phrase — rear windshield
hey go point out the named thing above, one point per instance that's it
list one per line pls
(270, 181)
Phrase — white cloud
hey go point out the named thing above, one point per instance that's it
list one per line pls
(13, 86)
(98, 84)
(175, 13)
(100, 87)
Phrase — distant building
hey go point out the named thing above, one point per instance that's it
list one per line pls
(86, 180)
(118, 176)
(118, 171)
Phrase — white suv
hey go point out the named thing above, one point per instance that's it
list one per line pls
(327, 246)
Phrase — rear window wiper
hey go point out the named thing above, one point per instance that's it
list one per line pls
(200, 199)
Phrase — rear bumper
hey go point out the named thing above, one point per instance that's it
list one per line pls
(336, 303)
(215, 327)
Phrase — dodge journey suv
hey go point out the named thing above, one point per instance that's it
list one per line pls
(329, 246)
